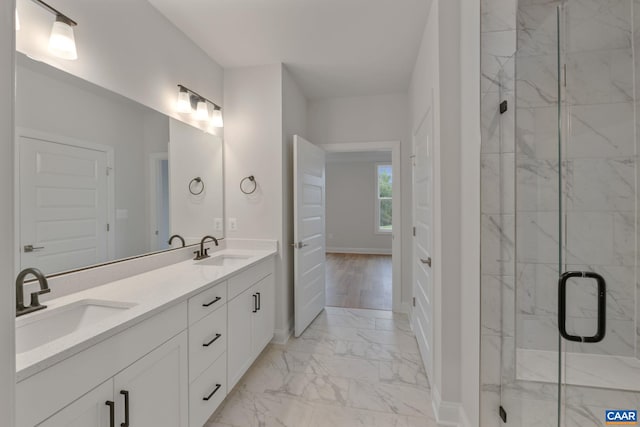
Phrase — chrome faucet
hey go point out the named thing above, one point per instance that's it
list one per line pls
(176, 236)
(35, 303)
(204, 253)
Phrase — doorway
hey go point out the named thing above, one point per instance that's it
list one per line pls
(363, 225)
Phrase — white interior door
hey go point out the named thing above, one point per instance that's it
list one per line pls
(159, 204)
(309, 232)
(422, 313)
(63, 205)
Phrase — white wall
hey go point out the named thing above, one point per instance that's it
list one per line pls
(372, 119)
(351, 200)
(294, 122)
(128, 48)
(253, 146)
(444, 73)
(193, 153)
(470, 208)
(7, 295)
(69, 107)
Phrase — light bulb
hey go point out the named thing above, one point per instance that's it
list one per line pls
(216, 119)
(184, 101)
(17, 21)
(62, 42)
(202, 111)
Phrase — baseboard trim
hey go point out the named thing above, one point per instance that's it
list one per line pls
(363, 251)
(464, 420)
(447, 414)
(281, 336)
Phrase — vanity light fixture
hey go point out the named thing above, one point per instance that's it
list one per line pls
(202, 111)
(62, 42)
(216, 119)
(184, 101)
(188, 98)
(17, 21)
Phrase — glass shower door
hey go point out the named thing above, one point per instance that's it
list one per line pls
(598, 292)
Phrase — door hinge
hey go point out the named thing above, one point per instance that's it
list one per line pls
(414, 301)
(503, 414)
(108, 227)
(503, 107)
(414, 232)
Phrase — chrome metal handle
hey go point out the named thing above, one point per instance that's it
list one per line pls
(299, 245)
(426, 261)
(31, 248)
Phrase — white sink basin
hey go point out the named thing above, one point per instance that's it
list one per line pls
(50, 324)
(225, 260)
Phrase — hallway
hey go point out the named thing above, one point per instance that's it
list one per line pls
(359, 281)
(350, 368)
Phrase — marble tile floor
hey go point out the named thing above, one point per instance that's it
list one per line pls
(351, 367)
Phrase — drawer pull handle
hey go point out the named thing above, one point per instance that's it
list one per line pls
(212, 302)
(206, 398)
(112, 413)
(207, 344)
(259, 304)
(255, 303)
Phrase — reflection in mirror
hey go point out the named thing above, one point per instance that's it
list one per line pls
(96, 182)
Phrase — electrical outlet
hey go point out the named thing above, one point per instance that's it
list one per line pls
(233, 224)
(217, 224)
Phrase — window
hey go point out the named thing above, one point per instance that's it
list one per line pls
(384, 181)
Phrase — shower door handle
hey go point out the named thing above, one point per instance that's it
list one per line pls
(602, 306)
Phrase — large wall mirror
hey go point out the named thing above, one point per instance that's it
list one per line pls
(100, 177)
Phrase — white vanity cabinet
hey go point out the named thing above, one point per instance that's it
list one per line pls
(172, 369)
(149, 360)
(150, 393)
(251, 320)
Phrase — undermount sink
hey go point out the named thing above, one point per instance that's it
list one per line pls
(225, 260)
(51, 324)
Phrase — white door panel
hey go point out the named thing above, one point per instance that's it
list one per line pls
(422, 314)
(309, 232)
(63, 205)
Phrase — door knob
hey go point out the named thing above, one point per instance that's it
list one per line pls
(299, 245)
(426, 261)
(31, 248)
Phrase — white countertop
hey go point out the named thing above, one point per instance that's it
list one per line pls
(151, 292)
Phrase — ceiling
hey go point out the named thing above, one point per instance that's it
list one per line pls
(333, 48)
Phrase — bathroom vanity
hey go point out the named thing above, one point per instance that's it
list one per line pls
(162, 348)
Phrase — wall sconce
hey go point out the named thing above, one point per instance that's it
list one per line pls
(62, 42)
(196, 104)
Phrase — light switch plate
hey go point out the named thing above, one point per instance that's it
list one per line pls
(233, 224)
(217, 224)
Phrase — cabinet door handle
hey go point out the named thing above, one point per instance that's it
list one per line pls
(112, 413)
(125, 393)
(207, 344)
(259, 304)
(206, 398)
(212, 302)
(255, 303)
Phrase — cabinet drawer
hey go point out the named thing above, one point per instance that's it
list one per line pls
(207, 341)
(213, 379)
(246, 279)
(207, 302)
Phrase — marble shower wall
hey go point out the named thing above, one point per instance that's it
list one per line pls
(520, 195)
(597, 173)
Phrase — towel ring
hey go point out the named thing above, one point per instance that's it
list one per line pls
(197, 180)
(251, 179)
